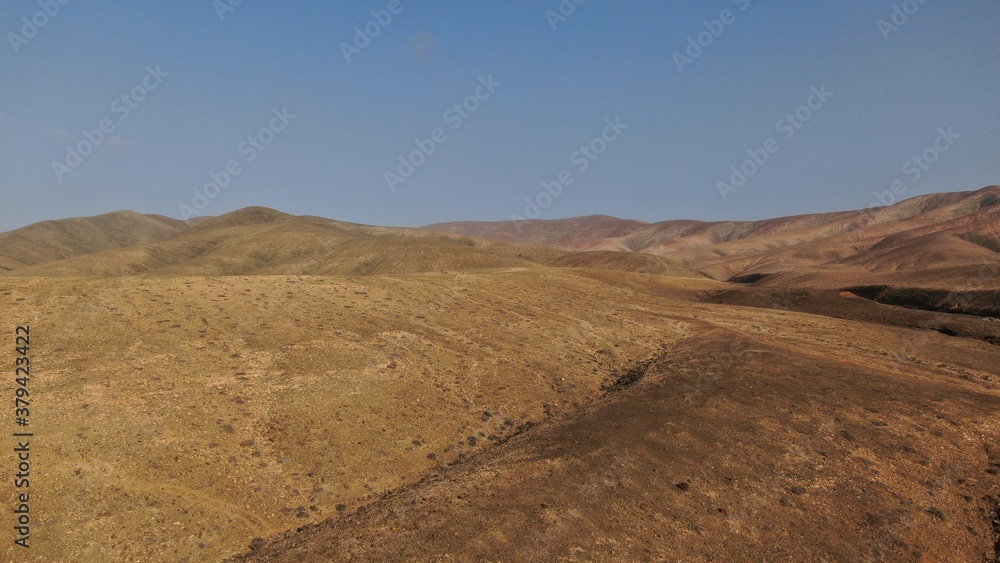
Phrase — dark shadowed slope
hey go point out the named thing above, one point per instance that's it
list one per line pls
(796, 442)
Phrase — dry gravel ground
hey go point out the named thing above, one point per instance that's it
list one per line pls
(183, 417)
(794, 440)
(179, 419)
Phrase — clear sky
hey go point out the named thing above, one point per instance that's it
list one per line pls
(198, 80)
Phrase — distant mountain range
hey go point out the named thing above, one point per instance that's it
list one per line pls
(942, 240)
(933, 239)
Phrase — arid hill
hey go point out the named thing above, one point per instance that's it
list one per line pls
(636, 262)
(262, 241)
(800, 441)
(50, 241)
(881, 245)
(267, 387)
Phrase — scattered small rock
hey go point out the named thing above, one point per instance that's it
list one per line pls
(936, 512)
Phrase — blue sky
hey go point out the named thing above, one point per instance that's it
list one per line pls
(556, 82)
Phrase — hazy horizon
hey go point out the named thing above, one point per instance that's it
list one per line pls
(485, 220)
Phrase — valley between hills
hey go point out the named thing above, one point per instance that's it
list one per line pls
(266, 387)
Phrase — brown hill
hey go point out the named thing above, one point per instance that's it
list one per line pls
(781, 437)
(636, 262)
(49, 241)
(934, 237)
(261, 241)
(860, 243)
(578, 233)
(503, 400)
(264, 241)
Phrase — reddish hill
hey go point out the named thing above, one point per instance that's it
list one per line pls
(938, 231)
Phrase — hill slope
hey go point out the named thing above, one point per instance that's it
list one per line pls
(795, 442)
(264, 241)
(954, 230)
(261, 241)
(49, 241)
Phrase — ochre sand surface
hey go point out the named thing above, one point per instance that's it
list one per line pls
(199, 414)
(183, 417)
(738, 445)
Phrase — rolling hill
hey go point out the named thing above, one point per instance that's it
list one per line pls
(50, 241)
(269, 387)
(263, 241)
(933, 232)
